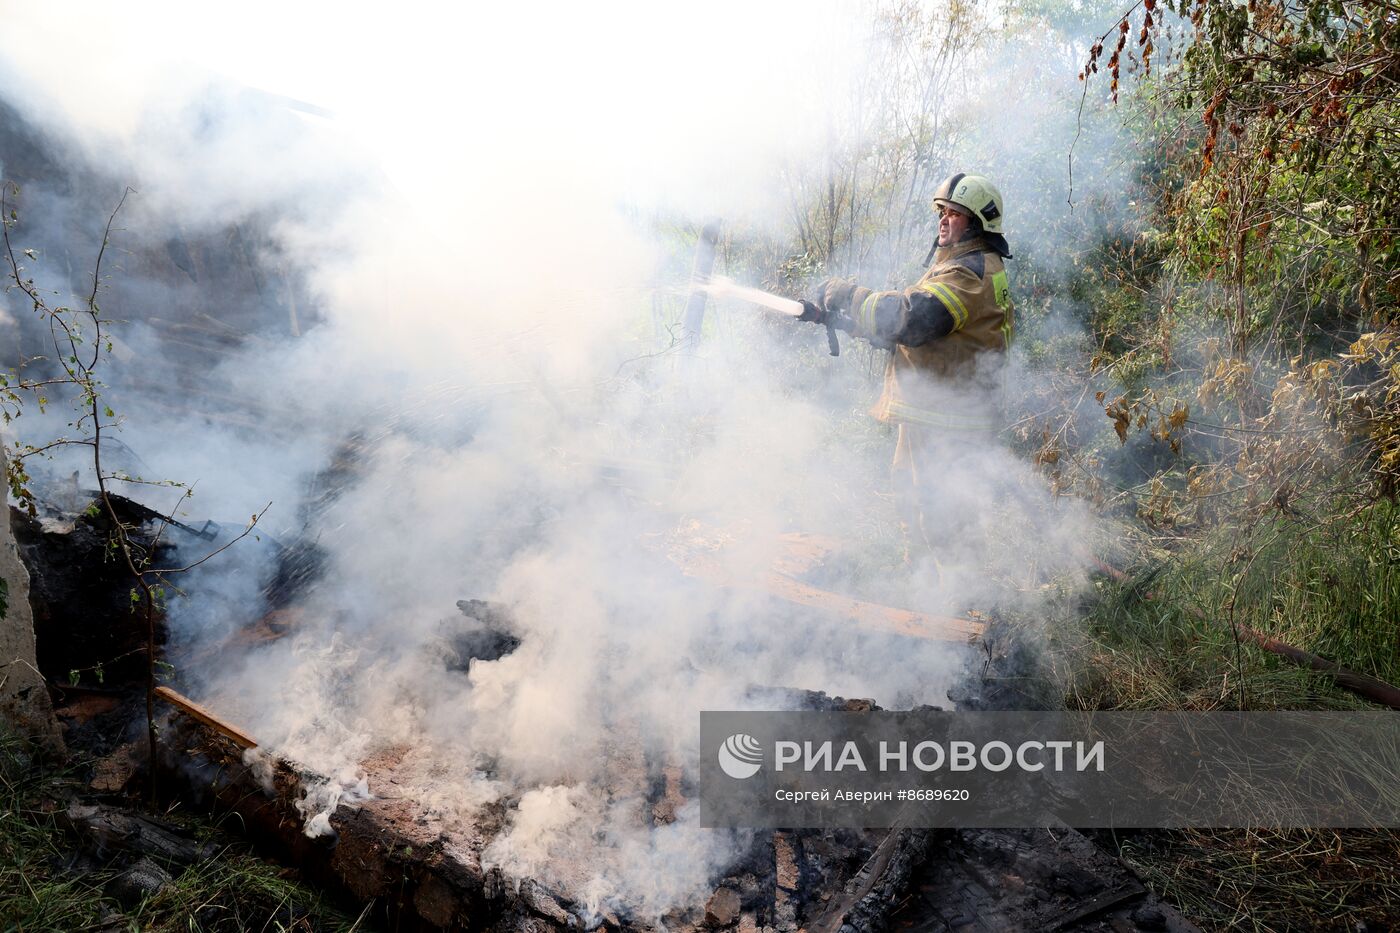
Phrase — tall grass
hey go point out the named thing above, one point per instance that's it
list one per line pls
(1163, 639)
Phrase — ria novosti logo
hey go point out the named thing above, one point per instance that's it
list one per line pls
(740, 756)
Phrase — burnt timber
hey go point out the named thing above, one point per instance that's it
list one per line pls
(423, 873)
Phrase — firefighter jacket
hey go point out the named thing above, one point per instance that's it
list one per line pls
(949, 335)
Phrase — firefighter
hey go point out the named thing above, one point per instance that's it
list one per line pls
(948, 335)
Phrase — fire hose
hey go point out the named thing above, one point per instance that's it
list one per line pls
(720, 286)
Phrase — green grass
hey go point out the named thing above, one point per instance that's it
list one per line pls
(1162, 638)
(234, 891)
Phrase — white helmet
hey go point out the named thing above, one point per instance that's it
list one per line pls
(976, 195)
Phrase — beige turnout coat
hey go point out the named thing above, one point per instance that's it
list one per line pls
(949, 333)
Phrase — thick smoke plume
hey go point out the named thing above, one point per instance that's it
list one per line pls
(475, 203)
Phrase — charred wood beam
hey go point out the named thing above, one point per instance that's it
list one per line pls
(417, 874)
(870, 898)
(110, 830)
(1127, 892)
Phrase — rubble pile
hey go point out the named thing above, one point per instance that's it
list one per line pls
(425, 869)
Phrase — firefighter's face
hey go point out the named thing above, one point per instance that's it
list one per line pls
(952, 225)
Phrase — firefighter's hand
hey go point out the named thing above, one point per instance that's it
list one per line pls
(811, 312)
(836, 294)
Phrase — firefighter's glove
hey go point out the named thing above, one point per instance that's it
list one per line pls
(812, 312)
(836, 294)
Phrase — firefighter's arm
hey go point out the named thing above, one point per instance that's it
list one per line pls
(930, 310)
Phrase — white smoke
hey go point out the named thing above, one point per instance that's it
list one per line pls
(478, 219)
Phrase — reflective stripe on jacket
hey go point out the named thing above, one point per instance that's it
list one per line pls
(949, 334)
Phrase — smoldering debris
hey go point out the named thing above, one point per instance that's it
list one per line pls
(80, 596)
(1029, 880)
(399, 831)
(485, 635)
(436, 873)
